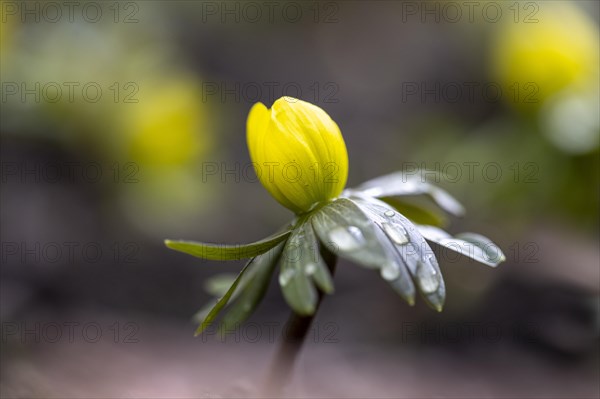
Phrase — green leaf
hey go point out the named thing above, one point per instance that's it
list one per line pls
(302, 267)
(436, 299)
(493, 252)
(314, 264)
(221, 302)
(411, 247)
(200, 315)
(322, 276)
(227, 252)
(471, 245)
(348, 232)
(296, 284)
(252, 289)
(218, 285)
(396, 273)
(403, 184)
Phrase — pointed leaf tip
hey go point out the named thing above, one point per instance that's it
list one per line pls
(471, 245)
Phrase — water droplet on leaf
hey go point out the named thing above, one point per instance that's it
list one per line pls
(347, 239)
(427, 277)
(390, 272)
(285, 277)
(396, 233)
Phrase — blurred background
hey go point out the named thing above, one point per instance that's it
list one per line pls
(123, 123)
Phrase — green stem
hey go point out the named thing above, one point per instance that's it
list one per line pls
(293, 338)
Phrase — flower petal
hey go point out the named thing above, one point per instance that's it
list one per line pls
(256, 125)
(298, 152)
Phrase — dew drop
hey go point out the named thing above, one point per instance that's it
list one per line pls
(356, 233)
(396, 233)
(427, 277)
(310, 269)
(390, 213)
(347, 239)
(285, 277)
(390, 272)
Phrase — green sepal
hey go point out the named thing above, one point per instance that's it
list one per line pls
(252, 289)
(471, 245)
(221, 302)
(401, 184)
(343, 227)
(412, 248)
(227, 252)
(218, 284)
(303, 267)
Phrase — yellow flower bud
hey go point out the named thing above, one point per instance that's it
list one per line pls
(298, 153)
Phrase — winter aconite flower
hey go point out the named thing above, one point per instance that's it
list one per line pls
(304, 149)
(363, 225)
(538, 58)
(549, 67)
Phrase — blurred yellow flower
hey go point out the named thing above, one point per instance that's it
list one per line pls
(542, 58)
(163, 136)
(298, 152)
(165, 125)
